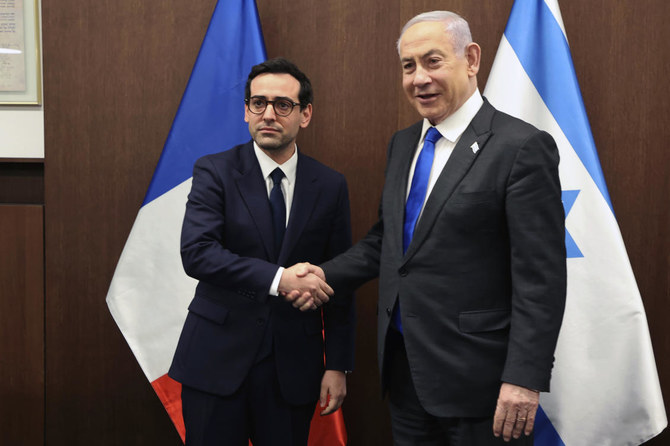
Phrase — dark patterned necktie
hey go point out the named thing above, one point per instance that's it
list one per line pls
(278, 206)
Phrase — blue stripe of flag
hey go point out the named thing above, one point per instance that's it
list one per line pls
(210, 117)
(545, 434)
(572, 250)
(541, 46)
(542, 49)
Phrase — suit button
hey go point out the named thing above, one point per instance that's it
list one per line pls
(388, 311)
(260, 321)
(403, 272)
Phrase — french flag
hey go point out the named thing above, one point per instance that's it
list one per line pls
(605, 388)
(150, 292)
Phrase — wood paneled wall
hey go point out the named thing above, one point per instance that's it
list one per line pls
(22, 324)
(114, 74)
(22, 181)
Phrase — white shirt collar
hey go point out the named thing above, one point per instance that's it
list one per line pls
(268, 164)
(453, 126)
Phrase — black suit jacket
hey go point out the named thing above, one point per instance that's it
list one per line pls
(227, 244)
(482, 285)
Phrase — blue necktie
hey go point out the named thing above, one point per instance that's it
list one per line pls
(278, 207)
(416, 198)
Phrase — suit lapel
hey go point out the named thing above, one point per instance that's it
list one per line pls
(304, 199)
(396, 179)
(250, 183)
(457, 166)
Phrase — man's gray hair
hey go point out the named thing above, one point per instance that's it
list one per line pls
(454, 25)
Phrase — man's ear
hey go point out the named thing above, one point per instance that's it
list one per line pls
(306, 116)
(473, 54)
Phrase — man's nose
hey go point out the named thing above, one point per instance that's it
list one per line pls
(421, 77)
(269, 113)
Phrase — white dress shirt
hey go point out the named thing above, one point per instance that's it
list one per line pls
(268, 165)
(451, 130)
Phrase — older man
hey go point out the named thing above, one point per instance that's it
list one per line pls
(469, 248)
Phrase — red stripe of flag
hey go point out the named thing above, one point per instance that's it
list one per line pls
(324, 431)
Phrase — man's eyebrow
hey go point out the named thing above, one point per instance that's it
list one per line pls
(431, 52)
(277, 98)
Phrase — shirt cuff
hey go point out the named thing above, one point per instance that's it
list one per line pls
(274, 288)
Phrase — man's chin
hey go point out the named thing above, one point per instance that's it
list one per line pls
(266, 143)
(431, 114)
(270, 145)
(273, 147)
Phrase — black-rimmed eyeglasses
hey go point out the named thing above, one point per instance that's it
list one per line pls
(281, 107)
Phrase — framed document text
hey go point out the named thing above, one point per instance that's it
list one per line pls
(20, 67)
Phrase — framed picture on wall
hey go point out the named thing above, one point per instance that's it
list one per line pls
(20, 56)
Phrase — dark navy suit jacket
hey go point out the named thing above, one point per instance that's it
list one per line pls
(227, 245)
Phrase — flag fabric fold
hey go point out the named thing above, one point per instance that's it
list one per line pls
(605, 387)
(150, 292)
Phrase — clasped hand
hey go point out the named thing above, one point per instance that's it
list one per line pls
(304, 285)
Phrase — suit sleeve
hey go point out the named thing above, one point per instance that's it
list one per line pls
(360, 263)
(536, 225)
(339, 313)
(204, 254)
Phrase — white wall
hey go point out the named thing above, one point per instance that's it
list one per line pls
(22, 126)
(21, 131)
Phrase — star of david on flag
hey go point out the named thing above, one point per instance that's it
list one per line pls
(605, 388)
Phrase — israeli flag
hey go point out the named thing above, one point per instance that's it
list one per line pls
(605, 388)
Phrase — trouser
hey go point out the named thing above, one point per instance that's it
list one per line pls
(256, 411)
(412, 425)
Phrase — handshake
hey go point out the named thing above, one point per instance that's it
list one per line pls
(304, 285)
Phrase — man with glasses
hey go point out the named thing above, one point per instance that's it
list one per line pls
(251, 365)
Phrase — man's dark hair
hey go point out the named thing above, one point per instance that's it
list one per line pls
(279, 65)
